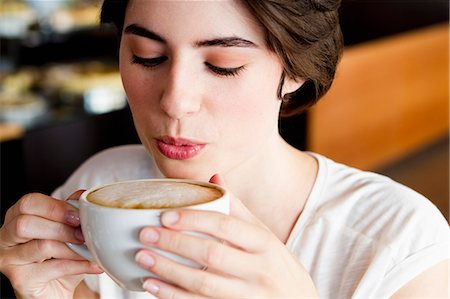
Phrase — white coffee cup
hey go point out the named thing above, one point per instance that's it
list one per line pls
(112, 233)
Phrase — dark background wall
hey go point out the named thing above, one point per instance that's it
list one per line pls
(365, 20)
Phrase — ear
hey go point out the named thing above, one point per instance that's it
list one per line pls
(291, 85)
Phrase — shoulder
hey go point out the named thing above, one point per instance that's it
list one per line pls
(379, 232)
(375, 204)
(126, 162)
(400, 230)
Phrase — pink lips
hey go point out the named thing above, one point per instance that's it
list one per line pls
(178, 148)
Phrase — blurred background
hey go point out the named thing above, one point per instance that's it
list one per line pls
(61, 99)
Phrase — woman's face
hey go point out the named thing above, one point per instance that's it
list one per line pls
(201, 85)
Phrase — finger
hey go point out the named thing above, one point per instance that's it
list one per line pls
(237, 208)
(56, 268)
(27, 227)
(206, 252)
(36, 251)
(217, 179)
(193, 280)
(164, 290)
(223, 227)
(46, 207)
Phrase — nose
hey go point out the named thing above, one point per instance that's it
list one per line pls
(181, 96)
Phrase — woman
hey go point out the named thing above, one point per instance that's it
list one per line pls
(206, 82)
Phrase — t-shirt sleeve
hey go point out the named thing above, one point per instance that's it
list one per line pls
(412, 266)
(362, 235)
(422, 241)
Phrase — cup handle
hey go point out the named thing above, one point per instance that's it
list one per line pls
(80, 249)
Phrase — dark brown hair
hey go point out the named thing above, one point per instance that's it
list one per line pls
(305, 34)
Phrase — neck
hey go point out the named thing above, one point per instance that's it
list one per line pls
(275, 185)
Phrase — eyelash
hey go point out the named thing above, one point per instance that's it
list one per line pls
(225, 71)
(148, 62)
(220, 71)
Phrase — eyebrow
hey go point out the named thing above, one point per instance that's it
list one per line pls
(141, 31)
(227, 42)
(232, 41)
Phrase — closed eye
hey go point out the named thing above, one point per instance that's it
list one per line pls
(156, 61)
(225, 71)
(148, 62)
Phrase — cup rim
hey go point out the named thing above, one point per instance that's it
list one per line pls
(83, 197)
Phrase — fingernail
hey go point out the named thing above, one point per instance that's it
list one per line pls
(72, 218)
(170, 218)
(97, 267)
(149, 235)
(151, 287)
(145, 259)
(79, 234)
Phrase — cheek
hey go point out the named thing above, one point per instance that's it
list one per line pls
(128, 76)
(133, 78)
(249, 110)
(255, 99)
(140, 92)
(131, 81)
(141, 98)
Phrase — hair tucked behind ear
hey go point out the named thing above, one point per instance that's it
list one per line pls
(306, 35)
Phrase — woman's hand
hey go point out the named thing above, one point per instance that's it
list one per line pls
(33, 253)
(251, 262)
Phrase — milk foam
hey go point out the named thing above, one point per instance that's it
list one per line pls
(153, 195)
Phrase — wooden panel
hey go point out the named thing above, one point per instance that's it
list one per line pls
(390, 97)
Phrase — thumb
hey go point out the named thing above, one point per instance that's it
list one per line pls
(237, 207)
(218, 180)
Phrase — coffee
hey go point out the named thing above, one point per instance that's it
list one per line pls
(153, 195)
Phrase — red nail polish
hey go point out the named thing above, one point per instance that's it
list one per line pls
(72, 218)
(79, 234)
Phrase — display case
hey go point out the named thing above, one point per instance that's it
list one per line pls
(57, 62)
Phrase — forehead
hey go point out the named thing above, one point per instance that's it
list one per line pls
(187, 21)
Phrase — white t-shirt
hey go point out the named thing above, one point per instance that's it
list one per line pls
(360, 235)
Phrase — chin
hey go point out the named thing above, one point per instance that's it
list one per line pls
(185, 170)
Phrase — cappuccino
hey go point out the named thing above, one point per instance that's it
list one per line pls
(153, 195)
